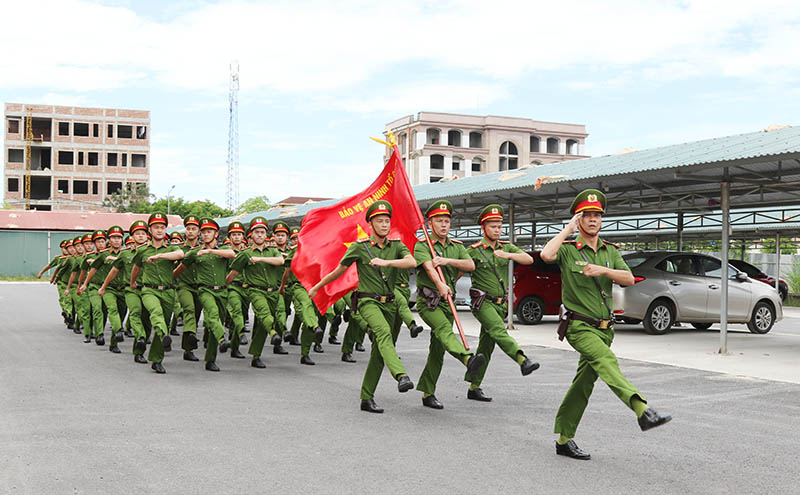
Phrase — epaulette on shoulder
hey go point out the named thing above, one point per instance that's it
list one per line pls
(610, 243)
(457, 241)
(364, 239)
(502, 242)
(570, 242)
(477, 244)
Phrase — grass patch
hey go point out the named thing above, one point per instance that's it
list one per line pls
(792, 300)
(23, 278)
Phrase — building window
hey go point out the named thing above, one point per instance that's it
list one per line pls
(16, 156)
(110, 130)
(13, 126)
(111, 159)
(454, 138)
(138, 161)
(125, 131)
(552, 145)
(95, 130)
(432, 136)
(572, 147)
(508, 156)
(94, 187)
(63, 186)
(80, 187)
(13, 185)
(477, 165)
(124, 159)
(456, 163)
(93, 157)
(402, 141)
(80, 158)
(437, 162)
(66, 158)
(475, 140)
(535, 144)
(80, 129)
(141, 132)
(63, 128)
(112, 187)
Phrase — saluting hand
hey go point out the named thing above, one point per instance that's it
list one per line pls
(572, 226)
(594, 270)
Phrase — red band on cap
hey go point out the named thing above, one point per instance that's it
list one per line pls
(208, 226)
(235, 229)
(491, 216)
(589, 205)
(138, 227)
(439, 211)
(280, 229)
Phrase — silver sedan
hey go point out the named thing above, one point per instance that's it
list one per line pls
(685, 287)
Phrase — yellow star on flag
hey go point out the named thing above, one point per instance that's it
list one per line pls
(361, 235)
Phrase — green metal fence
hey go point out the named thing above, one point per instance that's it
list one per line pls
(25, 252)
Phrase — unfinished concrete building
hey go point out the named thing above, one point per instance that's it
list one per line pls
(79, 155)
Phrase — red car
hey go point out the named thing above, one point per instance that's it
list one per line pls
(537, 290)
(756, 274)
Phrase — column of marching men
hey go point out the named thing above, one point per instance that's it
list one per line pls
(148, 283)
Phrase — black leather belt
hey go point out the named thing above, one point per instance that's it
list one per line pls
(497, 300)
(595, 322)
(158, 287)
(402, 286)
(378, 297)
(212, 287)
(261, 287)
(240, 284)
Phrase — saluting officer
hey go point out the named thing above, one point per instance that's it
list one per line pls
(452, 257)
(113, 296)
(589, 266)
(489, 297)
(376, 299)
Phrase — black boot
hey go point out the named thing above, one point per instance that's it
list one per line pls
(432, 402)
(140, 344)
(478, 395)
(138, 358)
(276, 339)
(224, 345)
(190, 339)
(174, 332)
(475, 363)
(348, 358)
(307, 360)
(100, 340)
(415, 330)
(243, 339)
(257, 363)
(652, 418)
(318, 333)
(360, 347)
(167, 342)
(404, 384)
(527, 367)
(212, 366)
(278, 349)
(570, 449)
(333, 340)
(236, 354)
(318, 348)
(114, 349)
(158, 368)
(370, 406)
(87, 339)
(189, 356)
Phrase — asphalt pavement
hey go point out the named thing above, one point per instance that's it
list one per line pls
(77, 419)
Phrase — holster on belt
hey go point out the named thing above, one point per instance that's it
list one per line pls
(354, 301)
(431, 296)
(476, 298)
(564, 316)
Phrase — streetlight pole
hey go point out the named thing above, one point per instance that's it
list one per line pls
(168, 198)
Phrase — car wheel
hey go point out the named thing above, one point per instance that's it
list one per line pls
(659, 318)
(763, 318)
(702, 326)
(783, 293)
(530, 310)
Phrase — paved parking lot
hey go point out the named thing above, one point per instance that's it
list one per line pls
(76, 419)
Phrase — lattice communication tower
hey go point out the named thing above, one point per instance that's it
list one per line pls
(232, 190)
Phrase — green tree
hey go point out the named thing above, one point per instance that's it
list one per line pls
(787, 246)
(254, 204)
(129, 199)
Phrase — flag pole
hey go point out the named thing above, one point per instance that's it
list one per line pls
(393, 144)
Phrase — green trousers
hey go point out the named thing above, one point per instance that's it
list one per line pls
(356, 329)
(442, 339)
(64, 301)
(279, 313)
(332, 312)
(304, 313)
(383, 319)
(137, 317)
(596, 361)
(97, 314)
(114, 301)
(236, 301)
(84, 311)
(191, 308)
(401, 295)
(264, 306)
(158, 304)
(214, 303)
(493, 331)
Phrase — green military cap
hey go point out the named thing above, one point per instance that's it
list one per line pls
(129, 240)
(380, 207)
(116, 230)
(295, 232)
(98, 234)
(62, 243)
(588, 200)
(87, 238)
(280, 226)
(191, 220)
(176, 235)
(441, 207)
(491, 212)
(157, 218)
(235, 227)
(259, 222)
(77, 240)
(137, 225)
(208, 223)
(68, 242)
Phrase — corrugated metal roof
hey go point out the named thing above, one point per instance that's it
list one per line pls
(71, 220)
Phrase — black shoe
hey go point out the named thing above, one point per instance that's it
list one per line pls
(76, 331)
(276, 339)
(190, 339)
(87, 339)
(120, 336)
(318, 348)
(360, 347)
(478, 395)
(114, 349)
(140, 344)
(138, 358)
(432, 402)
(243, 340)
(333, 340)
(224, 345)
(189, 356)
(527, 367)
(212, 366)
(278, 349)
(307, 360)
(129, 334)
(416, 330)
(174, 332)
(346, 315)
(167, 342)
(348, 358)
(100, 340)
(158, 368)
(370, 406)
(257, 363)
(179, 323)
(236, 354)
(570, 449)
(404, 384)
(652, 418)
(294, 341)
(475, 363)
(318, 333)
(287, 337)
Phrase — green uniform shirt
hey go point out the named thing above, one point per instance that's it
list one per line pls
(65, 269)
(289, 253)
(240, 277)
(484, 278)
(369, 278)
(159, 272)
(124, 263)
(211, 269)
(578, 292)
(189, 276)
(77, 262)
(451, 249)
(260, 274)
(103, 263)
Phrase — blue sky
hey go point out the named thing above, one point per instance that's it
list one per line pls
(319, 78)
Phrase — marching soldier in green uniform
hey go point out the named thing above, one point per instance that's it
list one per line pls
(261, 268)
(98, 310)
(402, 292)
(489, 293)
(304, 311)
(280, 241)
(120, 275)
(376, 300)
(237, 292)
(113, 295)
(357, 328)
(294, 332)
(212, 267)
(82, 300)
(175, 239)
(57, 263)
(158, 291)
(188, 296)
(589, 266)
(452, 258)
(72, 295)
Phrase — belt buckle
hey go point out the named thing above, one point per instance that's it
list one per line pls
(604, 324)
(382, 299)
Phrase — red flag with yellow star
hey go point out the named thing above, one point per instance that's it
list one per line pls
(327, 232)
